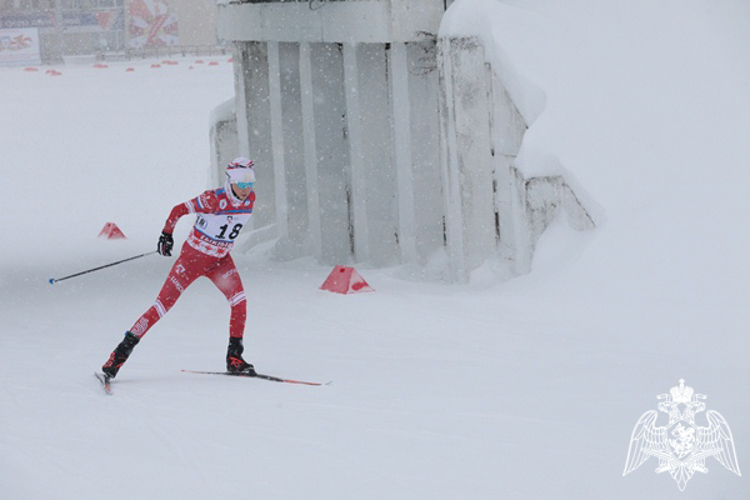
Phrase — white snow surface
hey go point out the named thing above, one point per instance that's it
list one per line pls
(521, 389)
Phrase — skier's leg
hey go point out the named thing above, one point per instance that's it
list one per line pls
(185, 270)
(120, 355)
(227, 279)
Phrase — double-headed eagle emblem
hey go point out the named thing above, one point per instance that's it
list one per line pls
(681, 446)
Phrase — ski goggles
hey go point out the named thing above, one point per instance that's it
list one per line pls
(244, 185)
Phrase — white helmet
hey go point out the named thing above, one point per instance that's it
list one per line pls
(241, 170)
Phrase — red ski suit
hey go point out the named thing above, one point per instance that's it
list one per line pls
(220, 217)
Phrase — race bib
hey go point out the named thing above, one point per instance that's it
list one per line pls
(224, 228)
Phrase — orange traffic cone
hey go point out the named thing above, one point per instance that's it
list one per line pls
(345, 280)
(111, 232)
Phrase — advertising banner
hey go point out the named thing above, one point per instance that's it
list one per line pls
(110, 20)
(106, 19)
(152, 25)
(17, 21)
(19, 47)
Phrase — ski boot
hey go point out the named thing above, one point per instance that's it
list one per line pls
(235, 364)
(120, 355)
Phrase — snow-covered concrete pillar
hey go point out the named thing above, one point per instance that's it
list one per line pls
(357, 174)
(332, 151)
(377, 153)
(240, 97)
(297, 241)
(223, 138)
(507, 128)
(310, 154)
(253, 119)
(401, 112)
(425, 151)
(466, 155)
(277, 140)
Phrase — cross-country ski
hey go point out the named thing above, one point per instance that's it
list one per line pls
(105, 381)
(258, 376)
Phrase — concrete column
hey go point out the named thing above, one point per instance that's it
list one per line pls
(240, 95)
(507, 130)
(425, 140)
(298, 242)
(357, 172)
(223, 138)
(332, 152)
(454, 230)
(258, 138)
(277, 140)
(310, 153)
(377, 150)
(466, 155)
(399, 81)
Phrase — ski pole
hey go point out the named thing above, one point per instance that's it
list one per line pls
(52, 281)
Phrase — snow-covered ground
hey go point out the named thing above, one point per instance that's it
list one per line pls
(527, 389)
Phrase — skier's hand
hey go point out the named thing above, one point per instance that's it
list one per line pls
(164, 247)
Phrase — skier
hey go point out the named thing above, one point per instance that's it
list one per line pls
(221, 213)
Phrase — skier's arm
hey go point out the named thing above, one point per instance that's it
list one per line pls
(204, 204)
(177, 212)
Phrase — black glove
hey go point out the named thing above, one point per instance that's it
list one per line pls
(165, 244)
